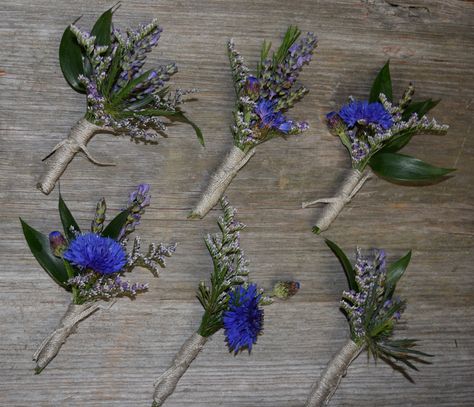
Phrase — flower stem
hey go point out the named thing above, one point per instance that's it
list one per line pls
(354, 180)
(322, 392)
(220, 180)
(51, 345)
(80, 134)
(167, 382)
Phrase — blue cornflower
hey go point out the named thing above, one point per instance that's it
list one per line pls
(243, 320)
(100, 254)
(270, 119)
(363, 112)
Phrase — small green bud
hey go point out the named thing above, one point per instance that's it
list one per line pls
(99, 218)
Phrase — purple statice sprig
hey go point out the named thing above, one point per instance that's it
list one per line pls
(372, 308)
(109, 66)
(372, 128)
(264, 97)
(139, 199)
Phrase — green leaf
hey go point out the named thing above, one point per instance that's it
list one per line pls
(116, 224)
(70, 60)
(67, 219)
(346, 264)
(177, 116)
(180, 117)
(382, 84)
(113, 71)
(421, 108)
(125, 91)
(39, 246)
(398, 141)
(291, 35)
(399, 167)
(102, 29)
(396, 270)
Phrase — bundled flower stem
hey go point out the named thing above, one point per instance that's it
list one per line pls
(107, 65)
(373, 131)
(229, 302)
(262, 100)
(372, 311)
(91, 265)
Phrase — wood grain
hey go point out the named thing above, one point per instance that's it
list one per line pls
(115, 356)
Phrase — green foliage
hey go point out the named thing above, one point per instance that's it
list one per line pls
(382, 84)
(40, 248)
(71, 60)
(69, 223)
(230, 269)
(102, 30)
(115, 226)
(346, 264)
(291, 35)
(402, 168)
(420, 108)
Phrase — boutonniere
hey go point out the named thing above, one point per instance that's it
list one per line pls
(373, 311)
(230, 301)
(373, 131)
(93, 265)
(263, 98)
(122, 97)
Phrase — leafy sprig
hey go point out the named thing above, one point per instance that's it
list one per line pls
(230, 269)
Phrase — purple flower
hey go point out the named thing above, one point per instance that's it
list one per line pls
(138, 201)
(270, 119)
(243, 320)
(100, 254)
(252, 87)
(365, 113)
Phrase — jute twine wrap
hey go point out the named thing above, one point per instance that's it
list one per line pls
(347, 190)
(332, 375)
(220, 180)
(49, 348)
(64, 152)
(167, 382)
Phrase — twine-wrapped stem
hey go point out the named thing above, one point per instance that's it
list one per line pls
(220, 180)
(167, 382)
(352, 183)
(63, 153)
(322, 392)
(51, 345)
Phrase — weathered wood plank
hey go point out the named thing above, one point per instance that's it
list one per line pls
(115, 356)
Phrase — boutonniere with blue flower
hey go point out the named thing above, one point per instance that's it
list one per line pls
(373, 311)
(122, 97)
(373, 131)
(230, 302)
(92, 265)
(263, 98)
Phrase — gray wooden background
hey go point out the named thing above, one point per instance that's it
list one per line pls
(115, 356)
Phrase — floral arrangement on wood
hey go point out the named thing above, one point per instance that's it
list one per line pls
(262, 100)
(108, 66)
(91, 265)
(230, 301)
(372, 311)
(373, 131)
